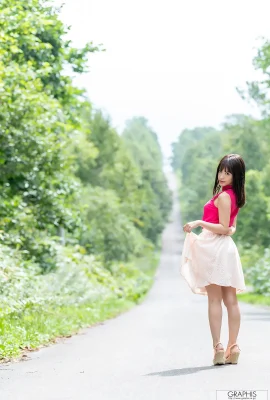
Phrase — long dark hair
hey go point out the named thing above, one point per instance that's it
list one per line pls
(234, 164)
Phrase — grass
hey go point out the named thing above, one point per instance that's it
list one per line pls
(35, 327)
(253, 298)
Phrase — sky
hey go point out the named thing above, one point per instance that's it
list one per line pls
(175, 62)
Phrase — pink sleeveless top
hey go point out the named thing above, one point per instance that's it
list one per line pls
(210, 211)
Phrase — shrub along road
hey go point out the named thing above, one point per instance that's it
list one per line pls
(161, 349)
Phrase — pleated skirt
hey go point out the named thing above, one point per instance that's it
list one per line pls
(209, 258)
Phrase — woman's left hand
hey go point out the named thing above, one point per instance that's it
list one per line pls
(231, 231)
(191, 225)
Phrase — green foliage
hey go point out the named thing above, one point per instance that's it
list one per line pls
(77, 210)
(37, 113)
(109, 232)
(249, 255)
(196, 156)
(142, 143)
(249, 138)
(259, 274)
(240, 135)
(197, 167)
(139, 181)
(258, 91)
(187, 139)
(252, 226)
(36, 308)
(254, 298)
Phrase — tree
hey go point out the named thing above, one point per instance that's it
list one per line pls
(37, 114)
(145, 150)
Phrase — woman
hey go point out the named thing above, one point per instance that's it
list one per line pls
(210, 261)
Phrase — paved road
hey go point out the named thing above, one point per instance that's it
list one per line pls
(160, 350)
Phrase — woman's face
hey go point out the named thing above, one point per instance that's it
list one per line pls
(225, 178)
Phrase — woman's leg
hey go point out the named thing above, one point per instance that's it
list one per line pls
(234, 318)
(215, 311)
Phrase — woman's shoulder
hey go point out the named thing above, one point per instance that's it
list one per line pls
(231, 193)
(224, 196)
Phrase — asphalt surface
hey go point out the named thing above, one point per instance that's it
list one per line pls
(160, 350)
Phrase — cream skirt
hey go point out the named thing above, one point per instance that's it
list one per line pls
(210, 258)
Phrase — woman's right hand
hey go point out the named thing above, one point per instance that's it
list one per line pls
(191, 225)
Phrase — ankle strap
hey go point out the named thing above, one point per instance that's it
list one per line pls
(217, 345)
(232, 345)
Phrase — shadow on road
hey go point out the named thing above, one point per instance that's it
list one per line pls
(185, 371)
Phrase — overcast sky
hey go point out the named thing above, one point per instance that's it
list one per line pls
(176, 62)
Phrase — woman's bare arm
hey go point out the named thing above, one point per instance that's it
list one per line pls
(233, 227)
(224, 212)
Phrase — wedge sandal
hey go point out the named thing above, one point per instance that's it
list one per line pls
(232, 358)
(219, 356)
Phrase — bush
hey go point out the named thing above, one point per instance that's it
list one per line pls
(80, 291)
(108, 231)
(259, 275)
